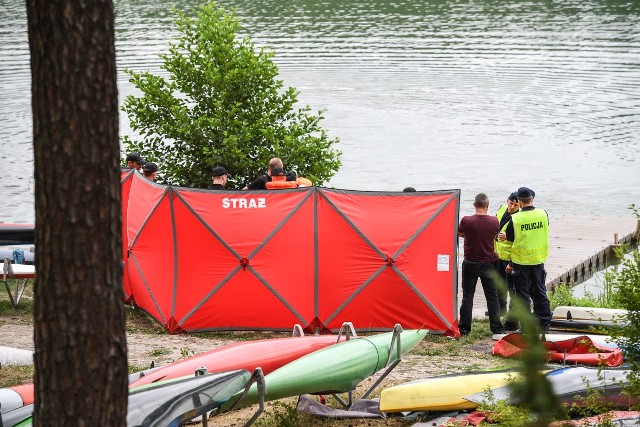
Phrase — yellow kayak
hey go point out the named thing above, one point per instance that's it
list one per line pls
(445, 393)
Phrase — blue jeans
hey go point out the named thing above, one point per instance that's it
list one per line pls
(529, 284)
(486, 272)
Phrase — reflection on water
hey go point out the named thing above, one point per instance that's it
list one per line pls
(481, 96)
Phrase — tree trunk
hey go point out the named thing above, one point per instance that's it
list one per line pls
(81, 356)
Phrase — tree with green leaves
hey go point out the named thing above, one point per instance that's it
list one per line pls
(222, 104)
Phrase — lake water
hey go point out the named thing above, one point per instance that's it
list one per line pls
(481, 96)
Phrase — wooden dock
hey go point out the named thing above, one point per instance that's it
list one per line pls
(578, 247)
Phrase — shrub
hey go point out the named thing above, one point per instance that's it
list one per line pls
(223, 105)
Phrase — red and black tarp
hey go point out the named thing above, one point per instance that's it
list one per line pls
(199, 260)
(577, 350)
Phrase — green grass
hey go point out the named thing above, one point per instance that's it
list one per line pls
(11, 375)
(23, 313)
(158, 352)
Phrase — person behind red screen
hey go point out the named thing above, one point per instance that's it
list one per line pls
(150, 171)
(219, 176)
(480, 260)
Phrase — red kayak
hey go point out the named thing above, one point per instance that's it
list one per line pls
(579, 350)
(269, 354)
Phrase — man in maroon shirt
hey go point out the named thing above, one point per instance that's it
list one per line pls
(480, 261)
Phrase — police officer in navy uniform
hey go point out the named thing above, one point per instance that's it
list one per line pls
(529, 232)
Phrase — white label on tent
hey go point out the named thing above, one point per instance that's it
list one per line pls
(443, 262)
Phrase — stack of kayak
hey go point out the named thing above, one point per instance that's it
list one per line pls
(468, 391)
(267, 354)
(294, 366)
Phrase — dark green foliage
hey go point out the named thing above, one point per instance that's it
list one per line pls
(627, 284)
(223, 105)
(534, 391)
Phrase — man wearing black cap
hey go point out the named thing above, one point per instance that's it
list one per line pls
(529, 232)
(503, 249)
(479, 232)
(219, 176)
(135, 161)
(150, 171)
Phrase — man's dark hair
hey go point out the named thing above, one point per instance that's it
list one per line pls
(408, 190)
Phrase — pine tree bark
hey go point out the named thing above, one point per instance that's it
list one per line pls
(81, 356)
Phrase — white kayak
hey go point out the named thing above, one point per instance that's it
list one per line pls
(588, 313)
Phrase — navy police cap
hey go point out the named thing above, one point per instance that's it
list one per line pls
(524, 192)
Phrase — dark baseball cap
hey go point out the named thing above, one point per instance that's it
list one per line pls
(135, 157)
(150, 167)
(219, 171)
(513, 196)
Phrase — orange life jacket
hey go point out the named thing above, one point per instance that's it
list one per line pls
(304, 182)
(280, 183)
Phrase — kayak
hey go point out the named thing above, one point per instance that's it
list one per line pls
(15, 397)
(14, 234)
(17, 417)
(168, 403)
(572, 384)
(8, 252)
(442, 393)
(172, 403)
(268, 354)
(591, 325)
(15, 356)
(579, 350)
(604, 340)
(336, 369)
(588, 313)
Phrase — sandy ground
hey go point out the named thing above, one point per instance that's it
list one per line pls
(429, 359)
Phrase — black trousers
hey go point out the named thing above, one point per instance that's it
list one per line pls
(505, 287)
(528, 285)
(486, 272)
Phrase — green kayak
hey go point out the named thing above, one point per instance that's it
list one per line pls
(335, 369)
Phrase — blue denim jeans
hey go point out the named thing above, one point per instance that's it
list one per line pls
(487, 273)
